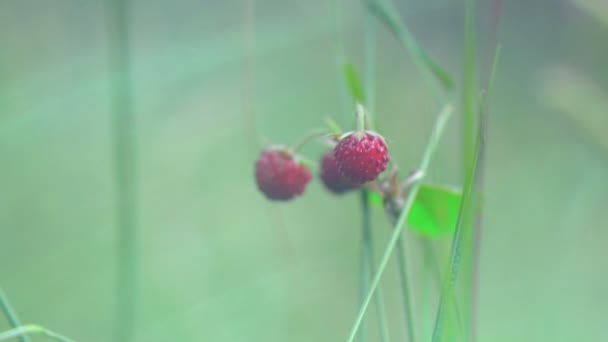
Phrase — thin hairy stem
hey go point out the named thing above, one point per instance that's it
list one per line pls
(369, 243)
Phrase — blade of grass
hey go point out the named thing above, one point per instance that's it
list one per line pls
(21, 331)
(423, 168)
(461, 233)
(10, 314)
(363, 277)
(484, 112)
(406, 298)
(470, 147)
(123, 132)
(472, 159)
(405, 291)
(387, 14)
(469, 96)
(369, 244)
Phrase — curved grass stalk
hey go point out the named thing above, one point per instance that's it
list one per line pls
(32, 329)
(10, 314)
(123, 136)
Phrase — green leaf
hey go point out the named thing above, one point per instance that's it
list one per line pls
(435, 211)
(353, 83)
(375, 199)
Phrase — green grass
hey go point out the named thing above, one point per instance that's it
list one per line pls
(123, 135)
(21, 332)
(212, 262)
(10, 314)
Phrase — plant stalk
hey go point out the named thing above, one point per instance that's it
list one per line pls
(369, 247)
(21, 331)
(10, 314)
(406, 298)
(123, 136)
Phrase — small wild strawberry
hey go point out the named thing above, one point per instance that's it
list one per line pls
(332, 178)
(361, 156)
(278, 175)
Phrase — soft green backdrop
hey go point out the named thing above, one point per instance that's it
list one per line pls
(212, 82)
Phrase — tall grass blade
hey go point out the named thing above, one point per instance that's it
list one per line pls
(461, 233)
(472, 157)
(405, 291)
(123, 136)
(369, 247)
(477, 231)
(363, 277)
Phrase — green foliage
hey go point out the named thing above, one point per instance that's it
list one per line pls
(352, 82)
(435, 211)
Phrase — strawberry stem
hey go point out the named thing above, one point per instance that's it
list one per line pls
(360, 112)
(333, 126)
(312, 135)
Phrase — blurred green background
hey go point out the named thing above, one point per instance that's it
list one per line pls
(212, 83)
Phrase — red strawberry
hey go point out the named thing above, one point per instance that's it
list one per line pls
(332, 178)
(361, 156)
(278, 176)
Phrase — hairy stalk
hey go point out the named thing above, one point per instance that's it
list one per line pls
(363, 277)
(123, 131)
(425, 286)
(409, 200)
(406, 298)
(10, 314)
(21, 331)
(369, 243)
(405, 290)
(310, 136)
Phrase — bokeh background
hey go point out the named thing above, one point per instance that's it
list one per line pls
(213, 81)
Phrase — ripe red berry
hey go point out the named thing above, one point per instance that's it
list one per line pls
(332, 178)
(279, 177)
(361, 157)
